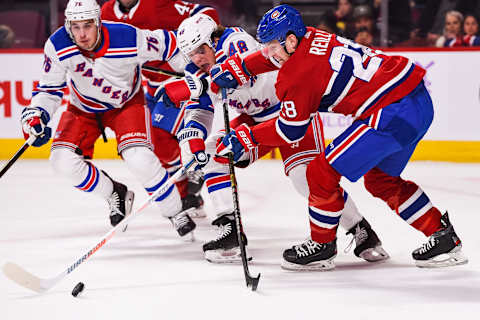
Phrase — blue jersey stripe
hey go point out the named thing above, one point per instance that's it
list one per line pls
(293, 133)
(321, 218)
(219, 186)
(53, 93)
(120, 56)
(158, 185)
(414, 207)
(69, 55)
(341, 81)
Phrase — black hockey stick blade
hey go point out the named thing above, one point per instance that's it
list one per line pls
(16, 156)
(251, 281)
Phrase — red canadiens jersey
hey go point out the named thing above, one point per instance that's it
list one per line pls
(329, 73)
(156, 14)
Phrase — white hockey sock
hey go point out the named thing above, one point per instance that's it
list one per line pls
(351, 216)
(84, 175)
(143, 163)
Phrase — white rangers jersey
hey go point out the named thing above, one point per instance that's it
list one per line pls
(257, 99)
(107, 78)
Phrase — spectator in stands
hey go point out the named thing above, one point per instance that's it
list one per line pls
(344, 17)
(328, 22)
(470, 25)
(452, 32)
(363, 19)
(470, 28)
(7, 36)
(364, 37)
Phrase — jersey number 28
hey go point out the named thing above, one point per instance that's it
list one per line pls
(352, 50)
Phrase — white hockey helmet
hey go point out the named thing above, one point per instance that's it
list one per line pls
(195, 31)
(78, 10)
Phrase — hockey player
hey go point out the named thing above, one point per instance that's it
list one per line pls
(153, 15)
(100, 63)
(392, 111)
(205, 44)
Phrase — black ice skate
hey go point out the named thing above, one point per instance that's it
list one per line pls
(367, 244)
(193, 202)
(193, 205)
(225, 248)
(310, 256)
(442, 249)
(183, 223)
(120, 202)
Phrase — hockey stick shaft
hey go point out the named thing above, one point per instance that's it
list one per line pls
(164, 72)
(251, 281)
(17, 155)
(26, 279)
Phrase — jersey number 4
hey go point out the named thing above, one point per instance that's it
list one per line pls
(182, 9)
(356, 52)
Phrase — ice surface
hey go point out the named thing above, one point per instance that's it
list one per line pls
(149, 273)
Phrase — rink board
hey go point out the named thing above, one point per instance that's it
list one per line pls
(455, 91)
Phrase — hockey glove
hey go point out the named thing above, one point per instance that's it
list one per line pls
(231, 73)
(192, 146)
(34, 122)
(190, 87)
(238, 142)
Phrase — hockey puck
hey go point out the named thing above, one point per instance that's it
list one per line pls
(78, 289)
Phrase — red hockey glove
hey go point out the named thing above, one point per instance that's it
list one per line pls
(231, 73)
(238, 142)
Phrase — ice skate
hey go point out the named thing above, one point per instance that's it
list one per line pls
(120, 202)
(310, 256)
(193, 205)
(193, 202)
(442, 249)
(183, 224)
(225, 248)
(367, 244)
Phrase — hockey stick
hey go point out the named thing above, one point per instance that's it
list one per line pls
(162, 71)
(17, 154)
(28, 280)
(251, 281)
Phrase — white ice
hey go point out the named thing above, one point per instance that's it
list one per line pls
(150, 273)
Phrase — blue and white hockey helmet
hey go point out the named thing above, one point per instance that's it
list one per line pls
(278, 22)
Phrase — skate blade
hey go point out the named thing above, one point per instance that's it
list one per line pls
(129, 197)
(221, 256)
(323, 265)
(376, 254)
(443, 260)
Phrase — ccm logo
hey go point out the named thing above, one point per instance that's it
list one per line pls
(238, 72)
(246, 140)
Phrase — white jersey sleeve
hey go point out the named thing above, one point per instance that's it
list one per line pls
(49, 92)
(158, 45)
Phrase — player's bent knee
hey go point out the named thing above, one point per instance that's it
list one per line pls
(298, 176)
(65, 161)
(140, 159)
